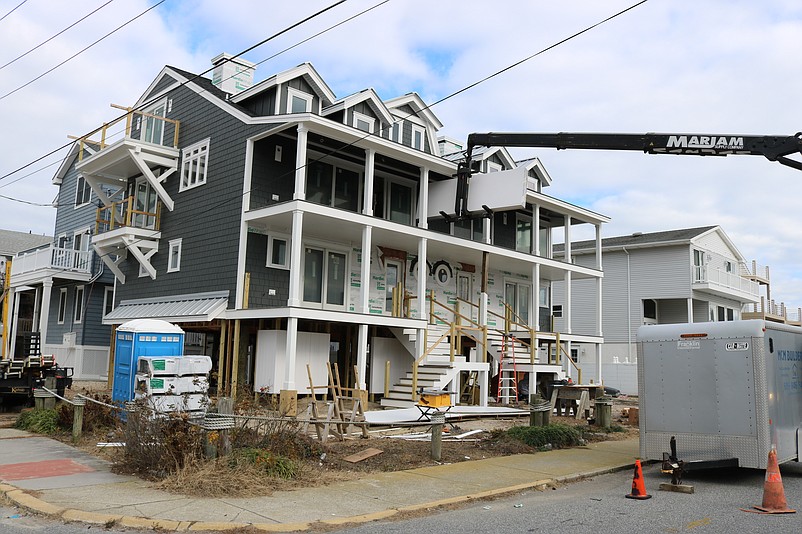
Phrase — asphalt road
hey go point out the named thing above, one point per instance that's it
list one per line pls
(598, 505)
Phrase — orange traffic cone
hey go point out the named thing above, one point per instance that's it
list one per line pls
(638, 488)
(773, 492)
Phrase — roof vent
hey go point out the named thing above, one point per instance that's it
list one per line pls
(232, 75)
(637, 234)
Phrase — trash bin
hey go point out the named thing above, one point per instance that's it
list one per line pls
(603, 412)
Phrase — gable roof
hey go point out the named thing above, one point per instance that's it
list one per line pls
(366, 95)
(305, 70)
(417, 104)
(640, 239)
(12, 242)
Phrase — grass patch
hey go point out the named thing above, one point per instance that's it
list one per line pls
(40, 421)
(557, 435)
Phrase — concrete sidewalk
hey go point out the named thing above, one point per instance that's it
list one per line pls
(53, 478)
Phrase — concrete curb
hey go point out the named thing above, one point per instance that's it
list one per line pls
(36, 505)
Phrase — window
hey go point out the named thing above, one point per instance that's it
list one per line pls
(523, 233)
(395, 132)
(649, 309)
(193, 168)
(79, 304)
(728, 267)
(557, 310)
(363, 122)
(80, 247)
(278, 252)
(174, 256)
(332, 185)
(418, 137)
(324, 277)
(82, 192)
(492, 166)
(152, 127)
(145, 202)
(108, 300)
(720, 314)
(400, 203)
(62, 305)
(298, 102)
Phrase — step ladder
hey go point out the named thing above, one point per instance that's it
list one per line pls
(507, 373)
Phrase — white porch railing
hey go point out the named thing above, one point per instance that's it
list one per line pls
(702, 274)
(52, 257)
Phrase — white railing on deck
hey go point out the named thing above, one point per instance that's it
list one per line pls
(703, 274)
(52, 257)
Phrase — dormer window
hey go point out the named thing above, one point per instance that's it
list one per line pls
(363, 122)
(298, 102)
(492, 166)
(418, 136)
(395, 132)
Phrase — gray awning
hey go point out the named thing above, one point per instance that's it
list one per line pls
(173, 308)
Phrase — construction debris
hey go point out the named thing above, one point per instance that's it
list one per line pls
(363, 455)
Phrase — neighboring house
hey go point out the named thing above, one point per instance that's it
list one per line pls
(675, 276)
(11, 243)
(66, 286)
(283, 227)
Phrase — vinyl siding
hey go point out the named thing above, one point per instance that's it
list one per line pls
(263, 278)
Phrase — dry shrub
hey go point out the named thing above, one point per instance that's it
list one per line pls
(96, 416)
(217, 478)
(157, 445)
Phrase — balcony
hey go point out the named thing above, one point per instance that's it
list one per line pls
(51, 261)
(769, 310)
(725, 284)
(128, 226)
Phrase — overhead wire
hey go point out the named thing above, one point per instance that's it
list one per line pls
(118, 28)
(56, 35)
(13, 9)
(447, 97)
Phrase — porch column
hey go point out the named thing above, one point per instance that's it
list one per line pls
(300, 164)
(367, 197)
(364, 286)
(598, 247)
(486, 229)
(288, 395)
(362, 357)
(37, 301)
(289, 353)
(14, 321)
(44, 316)
(567, 304)
(599, 374)
(534, 317)
(296, 248)
(422, 274)
(8, 314)
(690, 310)
(536, 229)
(423, 198)
(599, 310)
(567, 231)
(483, 300)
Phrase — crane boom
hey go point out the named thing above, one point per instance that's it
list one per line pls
(772, 147)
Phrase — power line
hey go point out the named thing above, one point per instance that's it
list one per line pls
(26, 201)
(145, 104)
(13, 9)
(45, 73)
(56, 35)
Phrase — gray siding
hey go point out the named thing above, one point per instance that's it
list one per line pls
(263, 278)
(90, 331)
(271, 177)
(262, 104)
(163, 84)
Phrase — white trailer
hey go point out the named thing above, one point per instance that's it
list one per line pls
(727, 391)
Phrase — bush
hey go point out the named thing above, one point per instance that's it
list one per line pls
(40, 421)
(273, 464)
(96, 416)
(539, 436)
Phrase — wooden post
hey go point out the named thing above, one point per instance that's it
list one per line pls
(50, 400)
(110, 378)
(77, 418)
(225, 405)
(438, 420)
(221, 357)
(235, 360)
(386, 379)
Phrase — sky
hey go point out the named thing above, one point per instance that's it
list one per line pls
(670, 66)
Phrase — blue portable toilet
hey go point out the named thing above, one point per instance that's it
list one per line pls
(141, 337)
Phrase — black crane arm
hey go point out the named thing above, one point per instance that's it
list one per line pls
(772, 147)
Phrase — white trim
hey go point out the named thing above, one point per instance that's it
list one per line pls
(422, 131)
(108, 291)
(326, 249)
(196, 157)
(78, 305)
(292, 93)
(174, 245)
(61, 313)
(271, 239)
(141, 120)
(371, 121)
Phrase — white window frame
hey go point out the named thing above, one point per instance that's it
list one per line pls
(292, 92)
(142, 121)
(422, 131)
(78, 305)
(108, 297)
(62, 305)
(326, 249)
(271, 240)
(80, 190)
(395, 131)
(388, 181)
(492, 166)
(194, 165)
(174, 247)
(371, 121)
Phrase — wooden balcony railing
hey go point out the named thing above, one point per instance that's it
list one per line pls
(124, 214)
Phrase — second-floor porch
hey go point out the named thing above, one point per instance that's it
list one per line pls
(724, 277)
(51, 261)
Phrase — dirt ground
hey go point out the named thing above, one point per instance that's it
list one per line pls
(400, 453)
